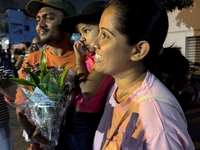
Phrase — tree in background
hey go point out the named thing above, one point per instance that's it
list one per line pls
(171, 5)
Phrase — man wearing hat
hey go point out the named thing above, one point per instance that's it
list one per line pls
(49, 14)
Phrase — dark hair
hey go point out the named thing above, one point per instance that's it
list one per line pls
(142, 20)
(27, 44)
(18, 51)
(147, 20)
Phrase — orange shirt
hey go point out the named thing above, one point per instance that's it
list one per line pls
(52, 60)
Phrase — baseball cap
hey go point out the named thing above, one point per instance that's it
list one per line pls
(91, 13)
(66, 6)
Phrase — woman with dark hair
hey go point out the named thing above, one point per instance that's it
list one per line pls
(142, 111)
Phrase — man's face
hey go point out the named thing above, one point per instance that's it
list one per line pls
(34, 45)
(49, 24)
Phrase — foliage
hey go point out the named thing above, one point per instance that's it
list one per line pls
(49, 79)
(171, 5)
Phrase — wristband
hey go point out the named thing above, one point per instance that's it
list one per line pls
(30, 132)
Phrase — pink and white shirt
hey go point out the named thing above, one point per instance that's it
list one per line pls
(152, 125)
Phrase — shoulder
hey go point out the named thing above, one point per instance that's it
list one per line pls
(33, 57)
(35, 53)
(160, 121)
(166, 116)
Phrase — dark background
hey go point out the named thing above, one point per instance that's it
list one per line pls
(21, 4)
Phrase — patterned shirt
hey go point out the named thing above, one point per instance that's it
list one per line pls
(5, 66)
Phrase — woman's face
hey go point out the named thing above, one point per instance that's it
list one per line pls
(113, 54)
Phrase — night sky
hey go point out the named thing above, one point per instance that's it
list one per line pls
(21, 4)
(18, 4)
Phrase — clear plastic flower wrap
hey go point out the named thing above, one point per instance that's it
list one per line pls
(43, 96)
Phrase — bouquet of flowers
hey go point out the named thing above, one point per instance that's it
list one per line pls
(43, 96)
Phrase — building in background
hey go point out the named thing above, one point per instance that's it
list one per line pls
(184, 31)
(16, 27)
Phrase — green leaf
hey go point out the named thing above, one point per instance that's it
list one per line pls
(50, 83)
(50, 76)
(53, 88)
(20, 81)
(44, 83)
(62, 79)
(50, 87)
(33, 77)
(43, 66)
(64, 65)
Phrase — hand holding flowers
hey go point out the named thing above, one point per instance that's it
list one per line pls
(43, 96)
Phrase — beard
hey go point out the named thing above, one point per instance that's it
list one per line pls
(46, 40)
(50, 37)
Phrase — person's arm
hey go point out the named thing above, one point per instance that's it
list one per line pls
(34, 133)
(89, 82)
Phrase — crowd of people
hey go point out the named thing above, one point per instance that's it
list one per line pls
(18, 55)
(126, 96)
